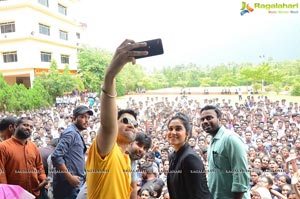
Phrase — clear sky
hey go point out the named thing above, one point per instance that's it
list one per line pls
(202, 32)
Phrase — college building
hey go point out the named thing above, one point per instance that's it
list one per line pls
(34, 32)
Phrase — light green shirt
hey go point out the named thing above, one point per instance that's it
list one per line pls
(228, 166)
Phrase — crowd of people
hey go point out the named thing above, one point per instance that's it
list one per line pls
(156, 148)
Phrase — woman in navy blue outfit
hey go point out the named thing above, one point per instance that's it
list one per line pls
(186, 178)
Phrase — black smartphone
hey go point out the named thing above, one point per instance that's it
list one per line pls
(154, 47)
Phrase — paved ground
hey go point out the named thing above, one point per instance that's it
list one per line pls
(197, 94)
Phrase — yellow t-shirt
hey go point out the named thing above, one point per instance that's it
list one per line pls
(108, 177)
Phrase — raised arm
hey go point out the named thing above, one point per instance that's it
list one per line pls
(108, 131)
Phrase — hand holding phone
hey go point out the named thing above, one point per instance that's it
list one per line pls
(154, 47)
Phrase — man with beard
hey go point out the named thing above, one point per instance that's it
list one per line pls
(20, 160)
(228, 175)
(136, 150)
(68, 157)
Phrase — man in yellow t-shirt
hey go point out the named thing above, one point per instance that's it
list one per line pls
(110, 175)
(108, 166)
(136, 150)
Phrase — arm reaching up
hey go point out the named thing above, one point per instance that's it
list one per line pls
(109, 127)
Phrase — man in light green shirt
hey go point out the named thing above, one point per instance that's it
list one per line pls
(228, 175)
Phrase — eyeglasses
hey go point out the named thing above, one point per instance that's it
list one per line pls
(126, 120)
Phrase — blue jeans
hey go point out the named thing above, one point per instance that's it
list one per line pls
(63, 190)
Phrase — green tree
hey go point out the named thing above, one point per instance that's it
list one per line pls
(227, 80)
(55, 84)
(40, 95)
(206, 82)
(277, 87)
(296, 90)
(4, 93)
(50, 81)
(131, 76)
(92, 65)
(261, 73)
(66, 80)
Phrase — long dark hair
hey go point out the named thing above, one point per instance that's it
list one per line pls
(185, 120)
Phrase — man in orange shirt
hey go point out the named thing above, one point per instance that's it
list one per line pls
(20, 160)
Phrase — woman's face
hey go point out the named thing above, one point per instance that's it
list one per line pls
(279, 159)
(273, 165)
(257, 163)
(283, 141)
(285, 152)
(252, 152)
(176, 134)
(273, 153)
(281, 181)
(254, 177)
(265, 162)
(145, 194)
(285, 189)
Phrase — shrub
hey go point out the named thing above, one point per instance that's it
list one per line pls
(296, 90)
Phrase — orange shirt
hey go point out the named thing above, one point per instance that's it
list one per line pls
(21, 165)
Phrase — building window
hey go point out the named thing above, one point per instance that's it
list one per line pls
(63, 35)
(45, 30)
(62, 9)
(8, 27)
(64, 59)
(10, 57)
(78, 35)
(44, 2)
(45, 57)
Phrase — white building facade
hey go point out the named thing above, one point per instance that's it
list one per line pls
(33, 32)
